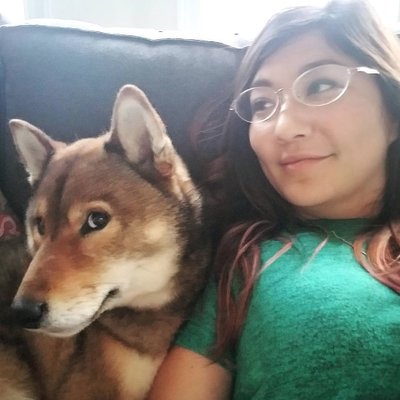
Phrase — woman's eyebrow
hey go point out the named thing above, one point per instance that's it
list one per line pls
(266, 82)
(317, 63)
(261, 82)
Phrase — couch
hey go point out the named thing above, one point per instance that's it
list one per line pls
(64, 79)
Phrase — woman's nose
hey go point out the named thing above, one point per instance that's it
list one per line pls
(292, 120)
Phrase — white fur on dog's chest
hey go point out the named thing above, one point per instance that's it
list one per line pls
(133, 371)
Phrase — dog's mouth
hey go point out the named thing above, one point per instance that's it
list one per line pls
(66, 331)
(103, 306)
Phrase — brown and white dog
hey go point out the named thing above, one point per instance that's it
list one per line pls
(119, 253)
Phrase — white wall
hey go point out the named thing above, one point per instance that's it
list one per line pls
(157, 14)
(245, 17)
(12, 10)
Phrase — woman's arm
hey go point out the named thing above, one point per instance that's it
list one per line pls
(185, 374)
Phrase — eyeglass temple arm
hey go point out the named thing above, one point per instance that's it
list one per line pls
(367, 70)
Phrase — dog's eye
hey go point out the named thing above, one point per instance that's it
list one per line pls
(95, 221)
(39, 223)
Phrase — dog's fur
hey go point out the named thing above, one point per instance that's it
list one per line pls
(119, 253)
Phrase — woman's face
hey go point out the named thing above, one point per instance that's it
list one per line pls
(328, 161)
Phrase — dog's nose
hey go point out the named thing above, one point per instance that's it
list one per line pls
(28, 313)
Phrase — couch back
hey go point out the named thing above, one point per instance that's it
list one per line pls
(64, 81)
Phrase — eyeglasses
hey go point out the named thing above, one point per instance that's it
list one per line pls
(316, 87)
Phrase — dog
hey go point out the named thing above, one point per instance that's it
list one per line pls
(119, 252)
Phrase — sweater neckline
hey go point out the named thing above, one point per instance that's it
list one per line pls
(346, 229)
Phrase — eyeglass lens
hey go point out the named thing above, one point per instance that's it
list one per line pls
(318, 86)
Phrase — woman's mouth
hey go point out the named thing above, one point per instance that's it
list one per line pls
(295, 163)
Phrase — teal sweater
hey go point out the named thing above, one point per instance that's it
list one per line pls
(317, 328)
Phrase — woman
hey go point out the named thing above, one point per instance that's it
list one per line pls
(305, 303)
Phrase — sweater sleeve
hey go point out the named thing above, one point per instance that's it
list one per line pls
(198, 334)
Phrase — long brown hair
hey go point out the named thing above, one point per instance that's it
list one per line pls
(250, 208)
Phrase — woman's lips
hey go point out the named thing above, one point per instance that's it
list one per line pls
(301, 162)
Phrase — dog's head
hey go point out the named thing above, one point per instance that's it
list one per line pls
(105, 222)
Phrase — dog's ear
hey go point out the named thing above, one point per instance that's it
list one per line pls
(137, 129)
(34, 147)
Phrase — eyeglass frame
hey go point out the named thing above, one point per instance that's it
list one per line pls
(280, 91)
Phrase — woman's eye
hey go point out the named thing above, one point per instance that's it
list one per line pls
(261, 105)
(320, 86)
(95, 221)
